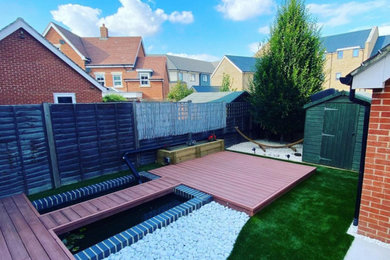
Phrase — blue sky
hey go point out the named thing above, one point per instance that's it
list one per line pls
(205, 29)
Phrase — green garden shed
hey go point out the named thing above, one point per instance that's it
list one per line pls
(334, 128)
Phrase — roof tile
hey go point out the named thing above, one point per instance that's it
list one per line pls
(113, 50)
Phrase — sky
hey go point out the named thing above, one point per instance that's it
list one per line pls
(202, 29)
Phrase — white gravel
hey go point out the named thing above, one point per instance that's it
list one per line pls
(281, 153)
(206, 233)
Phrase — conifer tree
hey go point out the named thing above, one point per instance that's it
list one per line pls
(290, 70)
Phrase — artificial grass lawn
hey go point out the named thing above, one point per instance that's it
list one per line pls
(309, 222)
(89, 182)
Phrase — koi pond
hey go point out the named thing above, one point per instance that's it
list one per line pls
(89, 235)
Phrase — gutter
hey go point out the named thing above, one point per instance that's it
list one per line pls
(348, 81)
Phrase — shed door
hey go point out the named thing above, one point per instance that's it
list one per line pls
(339, 135)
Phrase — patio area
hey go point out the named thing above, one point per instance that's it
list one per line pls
(242, 182)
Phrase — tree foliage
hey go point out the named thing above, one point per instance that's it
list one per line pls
(227, 83)
(290, 70)
(113, 98)
(179, 91)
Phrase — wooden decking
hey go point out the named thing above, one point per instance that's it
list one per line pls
(22, 234)
(243, 182)
(240, 181)
(89, 211)
(25, 234)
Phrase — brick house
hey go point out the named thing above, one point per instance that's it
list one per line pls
(33, 71)
(240, 69)
(374, 214)
(119, 63)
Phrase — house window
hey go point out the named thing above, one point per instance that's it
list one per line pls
(204, 78)
(100, 78)
(180, 76)
(117, 80)
(338, 75)
(192, 77)
(144, 79)
(64, 98)
(355, 53)
(339, 54)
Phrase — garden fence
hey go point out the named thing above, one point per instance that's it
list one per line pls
(172, 119)
(49, 145)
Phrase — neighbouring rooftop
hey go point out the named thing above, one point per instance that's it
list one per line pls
(351, 39)
(188, 64)
(245, 64)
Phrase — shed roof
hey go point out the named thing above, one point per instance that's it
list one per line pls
(336, 95)
(333, 42)
(205, 97)
(245, 64)
(205, 88)
(188, 64)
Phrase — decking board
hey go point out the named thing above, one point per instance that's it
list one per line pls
(75, 216)
(23, 235)
(241, 181)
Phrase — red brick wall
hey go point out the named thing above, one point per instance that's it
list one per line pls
(374, 218)
(154, 92)
(30, 74)
(53, 37)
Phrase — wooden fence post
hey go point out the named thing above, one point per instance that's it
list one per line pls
(52, 148)
(136, 140)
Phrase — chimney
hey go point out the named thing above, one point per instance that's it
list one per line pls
(103, 32)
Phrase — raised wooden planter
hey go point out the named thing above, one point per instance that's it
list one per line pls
(190, 152)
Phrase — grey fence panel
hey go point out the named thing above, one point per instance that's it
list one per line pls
(90, 139)
(24, 162)
(171, 119)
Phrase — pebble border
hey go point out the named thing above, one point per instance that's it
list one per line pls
(132, 235)
(61, 198)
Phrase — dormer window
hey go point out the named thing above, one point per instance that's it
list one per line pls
(144, 76)
(144, 79)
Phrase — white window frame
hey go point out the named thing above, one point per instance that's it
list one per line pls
(338, 75)
(57, 95)
(97, 74)
(178, 76)
(353, 53)
(204, 78)
(146, 80)
(340, 56)
(193, 77)
(113, 80)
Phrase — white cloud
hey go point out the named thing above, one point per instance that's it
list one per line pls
(254, 47)
(264, 30)
(384, 30)
(240, 10)
(333, 15)
(185, 17)
(205, 57)
(134, 17)
(82, 20)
